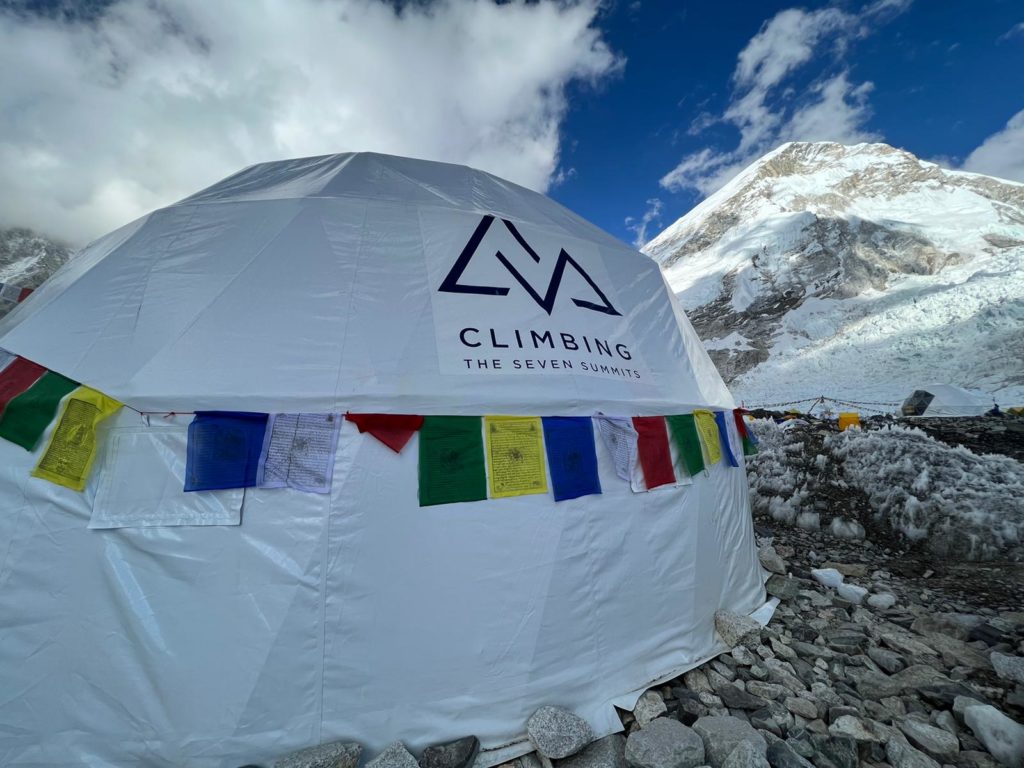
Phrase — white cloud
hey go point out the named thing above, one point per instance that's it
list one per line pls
(1002, 153)
(1017, 30)
(767, 111)
(104, 120)
(639, 226)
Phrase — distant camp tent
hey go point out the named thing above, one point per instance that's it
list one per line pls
(367, 284)
(946, 400)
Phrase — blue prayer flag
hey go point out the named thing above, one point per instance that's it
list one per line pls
(723, 434)
(572, 458)
(224, 450)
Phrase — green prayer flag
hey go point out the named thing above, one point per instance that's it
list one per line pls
(27, 416)
(452, 460)
(684, 433)
(749, 447)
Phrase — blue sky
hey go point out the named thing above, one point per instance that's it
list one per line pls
(944, 77)
(627, 111)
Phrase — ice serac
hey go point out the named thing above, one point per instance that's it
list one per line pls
(857, 271)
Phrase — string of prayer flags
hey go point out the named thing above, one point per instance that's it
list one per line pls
(298, 451)
(572, 457)
(620, 439)
(392, 429)
(684, 434)
(723, 434)
(224, 450)
(746, 434)
(17, 375)
(70, 453)
(451, 462)
(27, 415)
(708, 431)
(653, 448)
(515, 455)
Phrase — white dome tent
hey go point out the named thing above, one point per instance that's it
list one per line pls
(369, 284)
(946, 400)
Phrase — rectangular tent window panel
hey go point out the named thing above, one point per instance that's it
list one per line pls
(157, 454)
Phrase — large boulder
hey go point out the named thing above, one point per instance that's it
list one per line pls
(557, 732)
(721, 735)
(664, 743)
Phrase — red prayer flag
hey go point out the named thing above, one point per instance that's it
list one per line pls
(655, 455)
(25, 292)
(741, 425)
(392, 429)
(16, 378)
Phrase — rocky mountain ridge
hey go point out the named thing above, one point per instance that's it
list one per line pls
(857, 271)
(27, 259)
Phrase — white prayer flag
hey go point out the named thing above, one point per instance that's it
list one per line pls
(298, 451)
(620, 438)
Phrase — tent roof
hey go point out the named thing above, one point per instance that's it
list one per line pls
(950, 400)
(320, 283)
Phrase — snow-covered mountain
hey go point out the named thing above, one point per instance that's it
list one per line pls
(857, 272)
(27, 258)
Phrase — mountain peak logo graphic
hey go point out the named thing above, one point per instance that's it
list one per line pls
(546, 301)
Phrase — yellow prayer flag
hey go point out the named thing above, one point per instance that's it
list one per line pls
(515, 455)
(72, 448)
(708, 431)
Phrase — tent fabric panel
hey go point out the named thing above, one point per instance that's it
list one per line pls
(626, 592)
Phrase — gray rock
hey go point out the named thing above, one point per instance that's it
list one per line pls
(900, 640)
(782, 755)
(846, 641)
(696, 680)
(609, 752)
(782, 588)
(834, 751)
(890, 661)
(721, 735)
(856, 729)
(972, 759)
(735, 697)
(557, 732)
(649, 706)
(664, 743)
(460, 753)
(771, 561)
(935, 741)
(336, 754)
(946, 721)
(746, 755)
(767, 690)
(743, 656)
(394, 756)
(736, 629)
(1008, 667)
(774, 718)
(900, 754)
(803, 707)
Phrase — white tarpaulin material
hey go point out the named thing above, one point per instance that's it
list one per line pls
(948, 400)
(359, 283)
